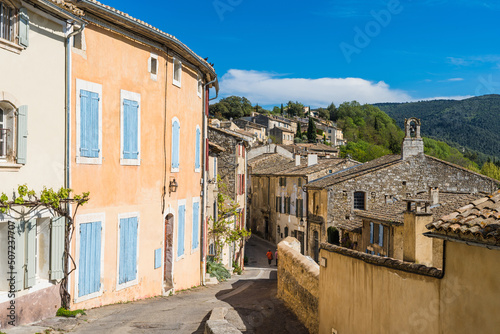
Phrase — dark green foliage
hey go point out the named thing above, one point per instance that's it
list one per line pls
(298, 134)
(311, 131)
(236, 268)
(471, 124)
(231, 107)
(281, 110)
(62, 312)
(363, 151)
(295, 109)
(323, 113)
(331, 111)
(218, 271)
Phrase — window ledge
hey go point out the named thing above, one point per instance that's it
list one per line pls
(89, 161)
(11, 46)
(127, 284)
(177, 83)
(130, 162)
(10, 166)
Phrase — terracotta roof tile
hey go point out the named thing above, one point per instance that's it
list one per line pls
(478, 221)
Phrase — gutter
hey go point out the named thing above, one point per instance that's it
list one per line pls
(68, 103)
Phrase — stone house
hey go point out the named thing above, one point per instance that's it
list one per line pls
(232, 172)
(277, 197)
(385, 228)
(414, 297)
(33, 39)
(333, 199)
(270, 122)
(282, 135)
(259, 131)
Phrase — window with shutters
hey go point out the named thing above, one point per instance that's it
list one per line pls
(181, 228)
(176, 133)
(14, 27)
(197, 157)
(177, 72)
(90, 253)
(128, 235)
(88, 122)
(195, 242)
(36, 249)
(130, 124)
(13, 135)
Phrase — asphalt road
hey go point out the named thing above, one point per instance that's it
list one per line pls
(250, 298)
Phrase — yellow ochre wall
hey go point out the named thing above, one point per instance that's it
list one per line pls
(119, 63)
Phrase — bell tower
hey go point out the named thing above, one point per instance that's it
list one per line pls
(413, 144)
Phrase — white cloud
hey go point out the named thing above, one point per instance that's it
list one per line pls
(455, 79)
(267, 89)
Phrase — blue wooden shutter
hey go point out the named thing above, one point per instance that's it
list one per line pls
(371, 232)
(180, 230)
(57, 233)
(19, 239)
(128, 250)
(175, 144)
(22, 135)
(89, 124)
(196, 220)
(30, 278)
(130, 129)
(24, 27)
(157, 258)
(198, 144)
(381, 235)
(89, 278)
(215, 168)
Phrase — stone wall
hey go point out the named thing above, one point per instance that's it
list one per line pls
(226, 161)
(298, 283)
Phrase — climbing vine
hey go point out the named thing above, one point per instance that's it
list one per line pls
(223, 230)
(26, 201)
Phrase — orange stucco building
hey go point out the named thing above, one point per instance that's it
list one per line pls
(137, 145)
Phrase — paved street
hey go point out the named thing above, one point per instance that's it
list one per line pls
(250, 298)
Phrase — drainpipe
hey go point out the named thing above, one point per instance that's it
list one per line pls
(68, 106)
(204, 175)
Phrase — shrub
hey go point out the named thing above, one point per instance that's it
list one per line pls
(62, 312)
(217, 270)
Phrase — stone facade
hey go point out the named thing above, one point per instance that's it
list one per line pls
(298, 283)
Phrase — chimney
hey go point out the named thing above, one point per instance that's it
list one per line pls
(416, 246)
(312, 159)
(297, 160)
(413, 144)
(434, 195)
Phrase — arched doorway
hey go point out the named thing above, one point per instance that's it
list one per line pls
(169, 252)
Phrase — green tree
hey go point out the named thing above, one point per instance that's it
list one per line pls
(282, 111)
(232, 107)
(298, 134)
(295, 109)
(323, 113)
(311, 131)
(331, 111)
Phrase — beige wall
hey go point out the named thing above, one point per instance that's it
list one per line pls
(34, 77)
(359, 297)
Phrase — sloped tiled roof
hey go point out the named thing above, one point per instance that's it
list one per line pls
(478, 221)
(353, 225)
(266, 161)
(287, 167)
(359, 170)
(394, 212)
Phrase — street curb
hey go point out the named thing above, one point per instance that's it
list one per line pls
(217, 324)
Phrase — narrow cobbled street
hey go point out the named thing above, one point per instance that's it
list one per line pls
(250, 299)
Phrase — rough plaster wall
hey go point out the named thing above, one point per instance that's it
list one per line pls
(298, 283)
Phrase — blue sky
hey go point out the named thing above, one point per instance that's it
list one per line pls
(317, 52)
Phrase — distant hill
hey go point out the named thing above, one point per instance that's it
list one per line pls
(472, 123)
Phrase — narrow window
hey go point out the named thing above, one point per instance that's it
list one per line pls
(359, 200)
(197, 150)
(3, 134)
(130, 128)
(176, 129)
(181, 230)
(177, 72)
(196, 225)
(89, 275)
(128, 250)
